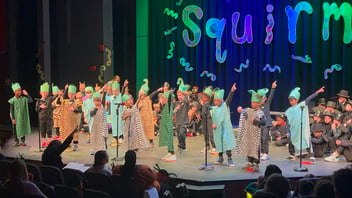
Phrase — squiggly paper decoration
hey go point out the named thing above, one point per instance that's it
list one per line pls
(271, 22)
(272, 69)
(171, 13)
(108, 57)
(101, 75)
(171, 50)
(306, 58)
(169, 31)
(209, 75)
(242, 66)
(179, 2)
(40, 72)
(336, 67)
(185, 64)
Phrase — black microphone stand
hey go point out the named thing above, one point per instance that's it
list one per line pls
(205, 166)
(300, 168)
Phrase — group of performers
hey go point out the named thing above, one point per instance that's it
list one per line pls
(183, 112)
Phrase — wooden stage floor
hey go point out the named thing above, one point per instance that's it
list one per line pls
(187, 165)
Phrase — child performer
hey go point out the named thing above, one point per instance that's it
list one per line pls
(298, 116)
(248, 139)
(224, 136)
(88, 104)
(99, 132)
(181, 113)
(57, 112)
(115, 112)
(45, 114)
(71, 114)
(166, 131)
(206, 119)
(144, 103)
(264, 144)
(19, 114)
(133, 129)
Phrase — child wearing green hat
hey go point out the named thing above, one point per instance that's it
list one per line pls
(99, 132)
(57, 110)
(87, 106)
(45, 114)
(133, 129)
(205, 102)
(224, 136)
(115, 113)
(71, 114)
(19, 114)
(248, 138)
(297, 117)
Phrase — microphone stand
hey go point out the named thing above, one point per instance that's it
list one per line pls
(206, 167)
(300, 168)
(117, 144)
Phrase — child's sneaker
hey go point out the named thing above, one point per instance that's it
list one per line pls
(230, 162)
(166, 156)
(332, 158)
(264, 157)
(219, 161)
(172, 158)
(291, 157)
(255, 167)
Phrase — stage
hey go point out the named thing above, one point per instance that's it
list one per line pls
(187, 165)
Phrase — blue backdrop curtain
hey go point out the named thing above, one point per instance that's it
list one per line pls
(309, 77)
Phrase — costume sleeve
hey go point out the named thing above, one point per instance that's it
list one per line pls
(12, 112)
(346, 143)
(271, 96)
(103, 99)
(30, 100)
(153, 94)
(93, 112)
(65, 96)
(311, 97)
(65, 144)
(229, 98)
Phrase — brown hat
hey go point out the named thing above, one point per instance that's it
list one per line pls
(318, 113)
(331, 104)
(317, 128)
(328, 113)
(322, 101)
(282, 116)
(339, 117)
(343, 93)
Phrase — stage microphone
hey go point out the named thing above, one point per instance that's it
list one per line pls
(121, 103)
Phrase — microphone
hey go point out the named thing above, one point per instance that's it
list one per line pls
(121, 103)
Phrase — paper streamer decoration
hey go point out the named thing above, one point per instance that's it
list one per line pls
(345, 11)
(108, 57)
(292, 16)
(248, 33)
(169, 31)
(179, 2)
(242, 66)
(272, 69)
(306, 58)
(171, 13)
(40, 72)
(214, 29)
(269, 28)
(209, 75)
(194, 28)
(185, 64)
(171, 50)
(101, 75)
(333, 68)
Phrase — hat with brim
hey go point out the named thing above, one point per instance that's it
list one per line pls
(331, 104)
(343, 93)
(322, 101)
(339, 117)
(317, 128)
(318, 114)
(328, 113)
(282, 116)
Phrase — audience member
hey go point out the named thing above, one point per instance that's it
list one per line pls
(342, 181)
(278, 185)
(101, 158)
(324, 189)
(75, 181)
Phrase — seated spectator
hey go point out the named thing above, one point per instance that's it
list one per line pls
(305, 188)
(17, 184)
(279, 130)
(52, 154)
(101, 158)
(75, 181)
(144, 177)
(278, 185)
(342, 181)
(324, 189)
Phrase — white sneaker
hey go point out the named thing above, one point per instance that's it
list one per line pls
(312, 159)
(120, 141)
(172, 158)
(75, 147)
(332, 158)
(265, 157)
(166, 156)
(213, 150)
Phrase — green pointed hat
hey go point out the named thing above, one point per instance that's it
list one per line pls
(44, 87)
(144, 88)
(96, 95)
(208, 91)
(125, 97)
(115, 86)
(89, 88)
(295, 93)
(256, 97)
(72, 89)
(219, 93)
(181, 86)
(55, 88)
(263, 91)
(15, 86)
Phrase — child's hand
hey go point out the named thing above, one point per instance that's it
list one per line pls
(214, 126)
(239, 109)
(13, 121)
(321, 90)
(24, 92)
(274, 85)
(42, 106)
(125, 83)
(233, 88)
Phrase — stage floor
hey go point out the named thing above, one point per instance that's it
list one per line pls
(187, 164)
